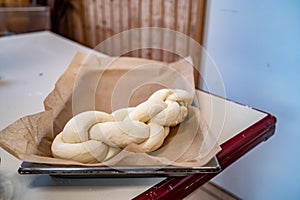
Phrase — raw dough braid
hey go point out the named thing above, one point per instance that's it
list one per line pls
(95, 136)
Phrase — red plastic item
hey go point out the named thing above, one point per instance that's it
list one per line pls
(233, 149)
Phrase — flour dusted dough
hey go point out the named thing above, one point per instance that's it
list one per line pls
(95, 136)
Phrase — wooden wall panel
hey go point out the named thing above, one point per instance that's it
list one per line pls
(92, 21)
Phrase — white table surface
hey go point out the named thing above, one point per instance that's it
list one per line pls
(30, 64)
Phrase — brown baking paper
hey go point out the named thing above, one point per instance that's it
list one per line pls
(107, 84)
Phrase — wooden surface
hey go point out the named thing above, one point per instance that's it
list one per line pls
(19, 16)
(210, 191)
(90, 22)
(6, 3)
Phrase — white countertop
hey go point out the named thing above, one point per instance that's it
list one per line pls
(30, 64)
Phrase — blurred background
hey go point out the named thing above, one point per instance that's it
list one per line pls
(256, 46)
(21, 16)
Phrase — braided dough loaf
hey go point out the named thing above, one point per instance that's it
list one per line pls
(95, 136)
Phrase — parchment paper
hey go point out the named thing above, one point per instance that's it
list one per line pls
(107, 84)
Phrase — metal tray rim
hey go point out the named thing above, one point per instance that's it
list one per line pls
(212, 166)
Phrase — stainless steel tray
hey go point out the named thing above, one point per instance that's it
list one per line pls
(120, 171)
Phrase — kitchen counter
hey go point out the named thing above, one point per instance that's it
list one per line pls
(30, 64)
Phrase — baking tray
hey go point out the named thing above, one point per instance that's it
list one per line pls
(212, 166)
